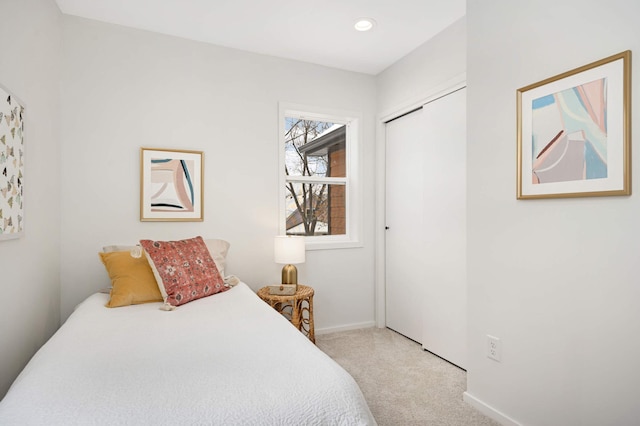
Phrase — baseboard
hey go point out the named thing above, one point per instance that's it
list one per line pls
(347, 327)
(489, 411)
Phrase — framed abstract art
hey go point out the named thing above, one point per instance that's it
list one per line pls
(12, 114)
(171, 185)
(574, 132)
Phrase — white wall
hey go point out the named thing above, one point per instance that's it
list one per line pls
(556, 280)
(123, 89)
(29, 266)
(433, 66)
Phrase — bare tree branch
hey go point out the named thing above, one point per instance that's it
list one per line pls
(312, 198)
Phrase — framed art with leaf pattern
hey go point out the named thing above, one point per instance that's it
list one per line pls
(171, 185)
(12, 114)
(574, 132)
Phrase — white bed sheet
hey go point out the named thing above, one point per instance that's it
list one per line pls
(228, 359)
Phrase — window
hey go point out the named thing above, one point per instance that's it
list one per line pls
(319, 172)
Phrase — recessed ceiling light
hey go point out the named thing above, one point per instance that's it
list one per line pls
(364, 24)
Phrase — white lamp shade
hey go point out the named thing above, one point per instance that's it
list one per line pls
(289, 250)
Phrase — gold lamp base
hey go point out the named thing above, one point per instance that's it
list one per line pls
(290, 275)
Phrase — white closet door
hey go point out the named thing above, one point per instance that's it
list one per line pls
(404, 215)
(426, 216)
(445, 232)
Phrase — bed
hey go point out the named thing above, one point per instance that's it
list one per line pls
(228, 359)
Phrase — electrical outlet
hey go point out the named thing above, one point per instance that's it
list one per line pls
(494, 348)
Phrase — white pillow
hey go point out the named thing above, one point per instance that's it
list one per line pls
(218, 250)
(109, 249)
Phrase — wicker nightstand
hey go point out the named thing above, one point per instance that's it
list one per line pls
(297, 308)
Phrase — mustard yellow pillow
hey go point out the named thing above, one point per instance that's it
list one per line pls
(132, 279)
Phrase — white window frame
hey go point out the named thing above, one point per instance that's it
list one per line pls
(353, 181)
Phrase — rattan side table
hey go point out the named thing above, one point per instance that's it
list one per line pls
(297, 308)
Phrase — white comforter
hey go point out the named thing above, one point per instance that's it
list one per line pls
(228, 359)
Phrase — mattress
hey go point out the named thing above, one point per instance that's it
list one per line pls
(228, 359)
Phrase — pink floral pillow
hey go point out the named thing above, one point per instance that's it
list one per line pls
(184, 269)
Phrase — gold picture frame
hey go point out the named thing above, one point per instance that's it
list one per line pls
(574, 132)
(171, 185)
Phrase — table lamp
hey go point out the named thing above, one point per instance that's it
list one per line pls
(289, 250)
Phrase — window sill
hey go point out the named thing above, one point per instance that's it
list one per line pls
(328, 243)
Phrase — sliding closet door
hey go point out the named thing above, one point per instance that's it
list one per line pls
(445, 233)
(404, 214)
(426, 219)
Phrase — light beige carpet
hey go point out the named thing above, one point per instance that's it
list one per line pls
(403, 384)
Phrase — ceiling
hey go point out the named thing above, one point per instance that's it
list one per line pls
(316, 31)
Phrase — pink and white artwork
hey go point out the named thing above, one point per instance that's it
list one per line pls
(569, 138)
(574, 132)
(171, 185)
